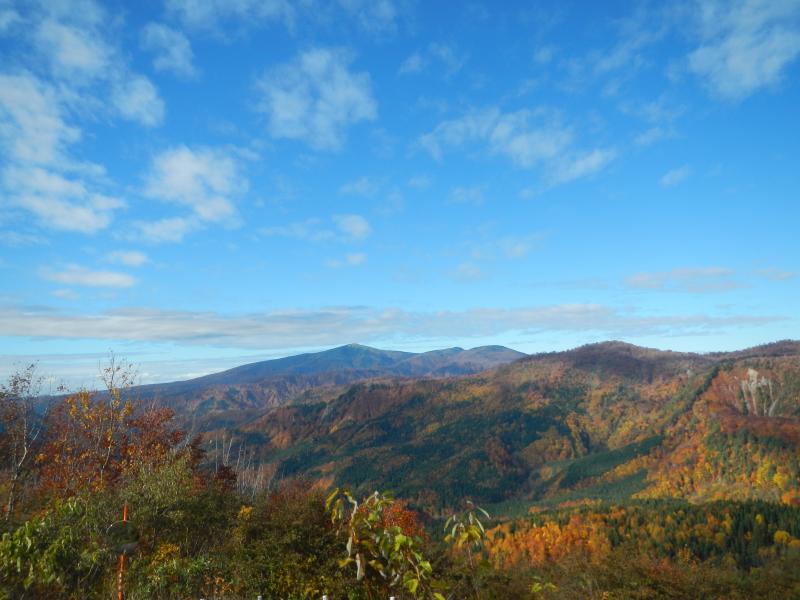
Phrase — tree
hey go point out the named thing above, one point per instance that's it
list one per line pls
(20, 430)
(385, 557)
(93, 438)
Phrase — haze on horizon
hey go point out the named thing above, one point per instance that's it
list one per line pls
(201, 185)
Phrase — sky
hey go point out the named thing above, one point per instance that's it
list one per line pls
(199, 184)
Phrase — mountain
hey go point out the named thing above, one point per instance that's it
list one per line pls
(269, 383)
(608, 420)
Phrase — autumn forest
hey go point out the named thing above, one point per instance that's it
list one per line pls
(608, 471)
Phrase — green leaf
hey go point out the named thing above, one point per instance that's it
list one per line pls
(411, 585)
(329, 499)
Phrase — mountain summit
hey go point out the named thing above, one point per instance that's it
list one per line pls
(268, 383)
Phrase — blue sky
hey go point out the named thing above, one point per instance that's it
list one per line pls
(199, 184)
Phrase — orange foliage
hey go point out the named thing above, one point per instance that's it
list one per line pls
(549, 542)
(93, 440)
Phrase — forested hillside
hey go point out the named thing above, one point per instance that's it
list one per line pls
(608, 471)
(607, 421)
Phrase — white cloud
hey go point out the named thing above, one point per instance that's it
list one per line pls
(513, 134)
(363, 186)
(172, 229)
(203, 179)
(350, 260)
(171, 48)
(129, 258)
(39, 175)
(445, 55)
(468, 195)
(65, 294)
(467, 272)
(419, 182)
(375, 16)
(687, 279)
(73, 51)
(544, 55)
(745, 45)
(344, 228)
(354, 227)
(675, 176)
(774, 274)
(87, 75)
(315, 98)
(309, 230)
(137, 99)
(32, 126)
(78, 275)
(660, 116)
(413, 64)
(81, 42)
(570, 168)
(529, 138)
(508, 247)
(17, 239)
(210, 14)
(651, 135)
(329, 326)
(59, 202)
(8, 17)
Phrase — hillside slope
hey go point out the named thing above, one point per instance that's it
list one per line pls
(602, 421)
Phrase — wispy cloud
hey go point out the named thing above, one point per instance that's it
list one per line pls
(659, 117)
(475, 195)
(328, 326)
(81, 48)
(66, 294)
(363, 186)
(355, 227)
(34, 127)
(205, 180)
(129, 258)
(510, 247)
(58, 201)
(137, 99)
(774, 274)
(374, 16)
(171, 229)
(211, 14)
(693, 280)
(79, 275)
(447, 56)
(315, 98)
(74, 50)
(18, 239)
(171, 49)
(467, 272)
(349, 260)
(342, 228)
(675, 176)
(419, 182)
(528, 138)
(75, 68)
(745, 45)
(576, 166)
(8, 17)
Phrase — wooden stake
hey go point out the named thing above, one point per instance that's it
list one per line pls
(121, 570)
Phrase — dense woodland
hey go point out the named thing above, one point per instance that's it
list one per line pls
(610, 472)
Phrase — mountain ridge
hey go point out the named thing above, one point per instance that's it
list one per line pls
(596, 421)
(274, 382)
